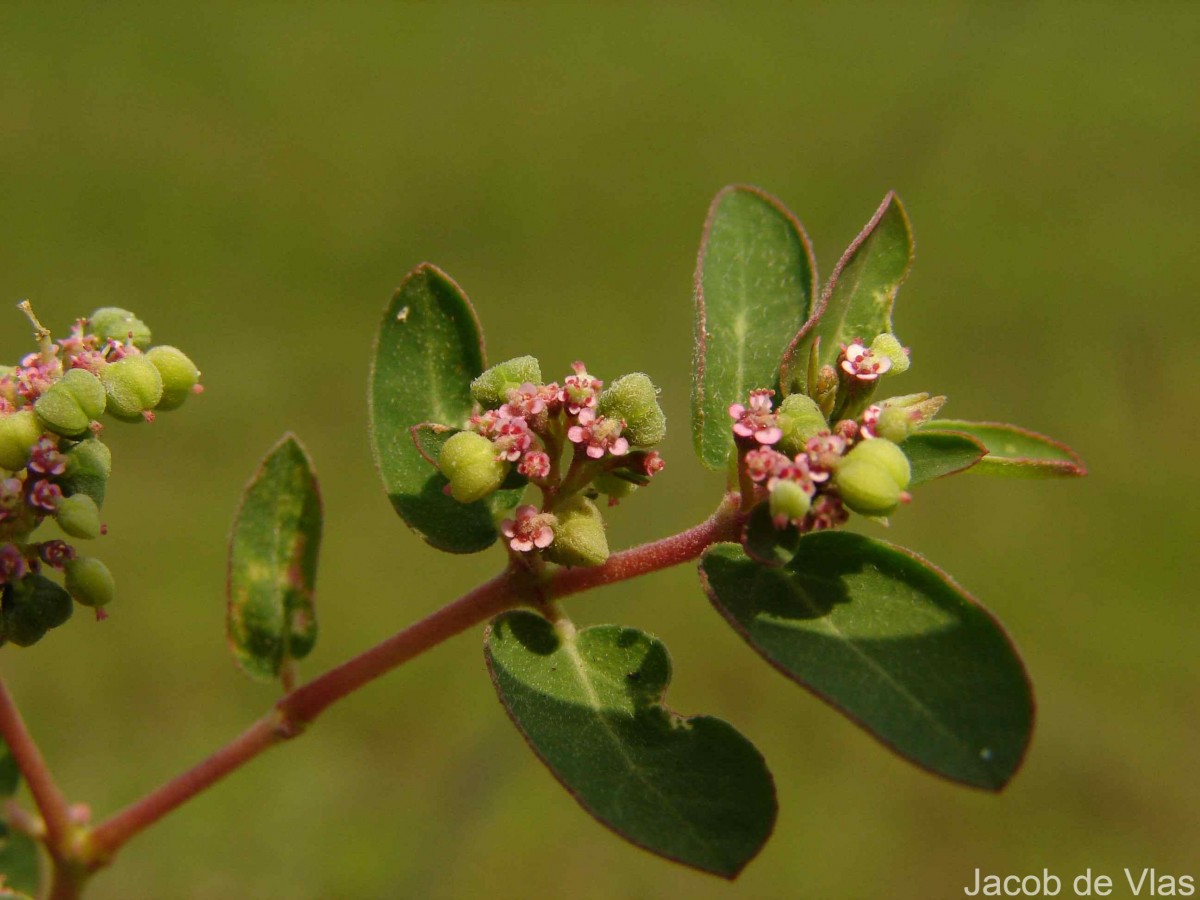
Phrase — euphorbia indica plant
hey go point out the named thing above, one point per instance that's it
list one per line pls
(792, 401)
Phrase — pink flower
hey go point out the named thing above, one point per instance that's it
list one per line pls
(525, 401)
(870, 421)
(530, 529)
(763, 463)
(598, 435)
(580, 390)
(45, 495)
(846, 429)
(794, 470)
(12, 564)
(756, 420)
(862, 363)
(12, 498)
(44, 458)
(534, 464)
(56, 553)
(512, 438)
(827, 512)
(823, 451)
(485, 423)
(653, 463)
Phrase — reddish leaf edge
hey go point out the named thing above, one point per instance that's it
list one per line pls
(1074, 468)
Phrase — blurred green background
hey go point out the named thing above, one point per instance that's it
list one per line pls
(254, 181)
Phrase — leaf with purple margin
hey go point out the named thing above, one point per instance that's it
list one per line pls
(1014, 452)
(935, 454)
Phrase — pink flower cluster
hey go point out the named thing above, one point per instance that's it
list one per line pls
(756, 420)
(528, 530)
(861, 362)
(37, 371)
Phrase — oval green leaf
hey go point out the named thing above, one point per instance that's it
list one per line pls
(755, 281)
(589, 703)
(934, 454)
(428, 350)
(273, 550)
(890, 641)
(765, 543)
(19, 863)
(1014, 452)
(858, 300)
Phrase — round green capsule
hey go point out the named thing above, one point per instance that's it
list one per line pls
(79, 516)
(468, 460)
(89, 581)
(867, 488)
(579, 537)
(89, 463)
(133, 386)
(111, 323)
(71, 404)
(800, 419)
(490, 389)
(179, 375)
(634, 399)
(886, 455)
(19, 431)
(789, 501)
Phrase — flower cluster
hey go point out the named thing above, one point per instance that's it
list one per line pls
(574, 440)
(819, 455)
(53, 464)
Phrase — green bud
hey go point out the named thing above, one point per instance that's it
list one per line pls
(134, 387)
(19, 431)
(789, 501)
(89, 464)
(179, 375)
(920, 407)
(112, 323)
(579, 538)
(469, 461)
(867, 488)
(800, 418)
(824, 388)
(491, 388)
(71, 403)
(89, 581)
(634, 398)
(886, 455)
(613, 486)
(78, 516)
(32, 606)
(893, 424)
(887, 345)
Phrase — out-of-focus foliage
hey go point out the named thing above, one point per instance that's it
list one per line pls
(256, 182)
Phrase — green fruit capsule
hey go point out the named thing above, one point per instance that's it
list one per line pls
(71, 403)
(789, 501)
(579, 538)
(32, 606)
(895, 424)
(179, 375)
(867, 488)
(469, 461)
(111, 323)
(613, 486)
(133, 386)
(800, 419)
(89, 581)
(19, 431)
(89, 463)
(634, 398)
(79, 516)
(490, 389)
(883, 453)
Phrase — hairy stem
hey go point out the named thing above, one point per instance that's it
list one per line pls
(512, 588)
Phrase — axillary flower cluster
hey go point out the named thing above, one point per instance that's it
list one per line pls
(575, 441)
(817, 456)
(54, 465)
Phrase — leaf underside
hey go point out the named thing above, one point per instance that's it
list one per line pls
(755, 279)
(889, 641)
(1015, 452)
(428, 350)
(590, 706)
(273, 552)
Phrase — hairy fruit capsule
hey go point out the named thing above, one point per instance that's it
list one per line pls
(89, 581)
(89, 463)
(19, 431)
(134, 387)
(79, 516)
(789, 502)
(634, 399)
(111, 323)
(468, 460)
(800, 419)
(71, 404)
(179, 375)
(883, 453)
(491, 388)
(579, 537)
(866, 488)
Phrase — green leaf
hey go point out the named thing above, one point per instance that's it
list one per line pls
(273, 550)
(590, 705)
(1014, 452)
(891, 642)
(933, 454)
(429, 348)
(858, 300)
(755, 280)
(765, 543)
(19, 863)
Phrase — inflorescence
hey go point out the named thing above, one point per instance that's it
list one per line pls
(53, 463)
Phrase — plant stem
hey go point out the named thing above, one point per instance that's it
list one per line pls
(514, 587)
(46, 794)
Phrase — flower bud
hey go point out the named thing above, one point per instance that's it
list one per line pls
(31, 607)
(867, 488)
(579, 538)
(800, 418)
(920, 407)
(71, 403)
(887, 456)
(789, 502)
(824, 388)
(89, 464)
(134, 387)
(89, 581)
(887, 345)
(634, 398)
(469, 461)
(19, 431)
(179, 375)
(490, 389)
(111, 323)
(78, 516)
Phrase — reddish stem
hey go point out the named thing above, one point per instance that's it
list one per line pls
(293, 712)
(46, 794)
